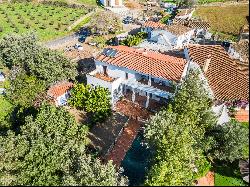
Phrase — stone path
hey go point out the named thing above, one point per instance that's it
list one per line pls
(123, 143)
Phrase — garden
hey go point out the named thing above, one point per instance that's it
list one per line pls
(48, 21)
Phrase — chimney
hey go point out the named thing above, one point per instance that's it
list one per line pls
(207, 62)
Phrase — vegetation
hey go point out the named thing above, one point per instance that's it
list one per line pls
(50, 150)
(105, 23)
(95, 101)
(178, 136)
(5, 109)
(186, 140)
(23, 89)
(228, 175)
(133, 40)
(24, 52)
(231, 142)
(47, 20)
(225, 21)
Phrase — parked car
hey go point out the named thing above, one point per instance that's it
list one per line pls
(226, 44)
(128, 20)
(82, 38)
(78, 46)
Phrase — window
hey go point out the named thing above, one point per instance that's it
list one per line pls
(105, 70)
(126, 75)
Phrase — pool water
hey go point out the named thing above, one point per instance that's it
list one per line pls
(136, 162)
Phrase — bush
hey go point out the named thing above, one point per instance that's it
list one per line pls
(203, 167)
(95, 101)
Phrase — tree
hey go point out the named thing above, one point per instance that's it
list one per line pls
(95, 101)
(23, 89)
(50, 150)
(24, 52)
(193, 102)
(174, 157)
(105, 22)
(178, 135)
(5, 110)
(231, 142)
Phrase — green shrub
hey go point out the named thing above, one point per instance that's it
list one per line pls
(203, 167)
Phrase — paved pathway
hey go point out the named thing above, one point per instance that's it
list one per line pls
(124, 142)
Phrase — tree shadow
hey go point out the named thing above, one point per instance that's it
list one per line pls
(84, 66)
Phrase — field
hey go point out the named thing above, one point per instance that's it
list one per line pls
(49, 22)
(226, 21)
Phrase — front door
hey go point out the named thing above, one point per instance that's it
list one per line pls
(108, 3)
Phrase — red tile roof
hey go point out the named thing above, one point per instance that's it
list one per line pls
(59, 89)
(242, 115)
(224, 76)
(147, 62)
(154, 25)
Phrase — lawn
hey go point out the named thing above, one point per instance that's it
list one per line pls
(228, 175)
(226, 21)
(49, 22)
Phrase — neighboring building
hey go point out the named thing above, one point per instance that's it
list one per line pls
(240, 51)
(59, 93)
(200, 27)
(2, 77)
(185, 14)
(112, 3)
(166, 37)
(226, 79)
(142, 76)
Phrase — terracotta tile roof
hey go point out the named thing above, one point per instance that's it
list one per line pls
(180, 21)
(147, 62)
(154, 25)
(178, 29)
(198, 24)
(242, 115)
(242, 47)
(59, 89)
(224, 77)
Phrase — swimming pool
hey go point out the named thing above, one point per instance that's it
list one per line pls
(136, 161)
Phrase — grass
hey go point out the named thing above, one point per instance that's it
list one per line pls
(228, 175)
(226, 21)
(88, 2)
(82, 23)
(49, 22)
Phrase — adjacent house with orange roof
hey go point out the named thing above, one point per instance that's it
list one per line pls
(59, 93)
(137, 74)
(227, 81)
(166, 37)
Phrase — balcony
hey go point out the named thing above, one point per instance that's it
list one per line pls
(157, 85)
(104, 77)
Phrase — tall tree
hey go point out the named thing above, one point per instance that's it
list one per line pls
(24, 52)
(50, 150)
(178, 134)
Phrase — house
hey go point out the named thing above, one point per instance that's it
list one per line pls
(59, 93)
(240, 51)
(166, 37)
(2, 77)
(111, 3)
(227, 80)
(141, 76)
(185, 13)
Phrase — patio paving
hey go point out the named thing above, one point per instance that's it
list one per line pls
(131, 109)
(124, 142)
(103, 135)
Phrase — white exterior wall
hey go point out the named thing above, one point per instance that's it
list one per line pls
(62, 100)
(234, 54)
(182, 38)
(111, 86)
(112, 2)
